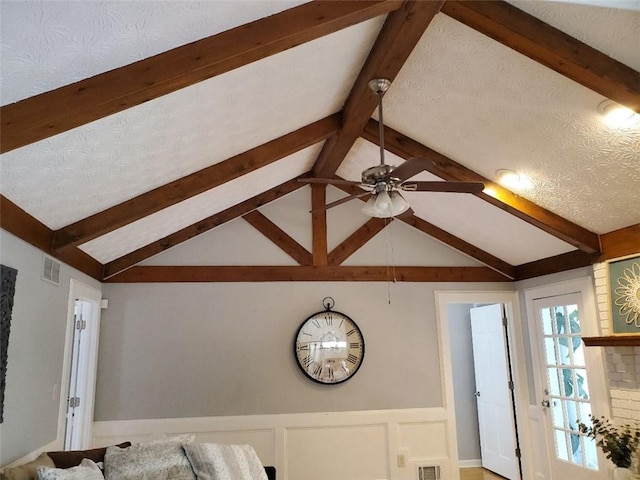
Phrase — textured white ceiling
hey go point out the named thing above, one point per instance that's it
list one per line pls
(613, 31)
(487, 107)
(460, 93)
(154, 227)
(83, 171)
(48, 44)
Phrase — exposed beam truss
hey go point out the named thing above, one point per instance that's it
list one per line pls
(322, 273)
(550, 47)
(398, 37)
(18, 222)
(200, 227)
(71, 106)
(186, 187)
(494, 193)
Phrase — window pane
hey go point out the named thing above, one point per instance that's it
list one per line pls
(572, 415)
(574, 320)
(561, 445)
(564, 347)
(567, 382)
(591, 454)
(558, 416)
(554, 385)
(550, 351)
(576, 451)
(547, 328)
(582, 387)
(560, 324)
(578, 355)
(584, 412)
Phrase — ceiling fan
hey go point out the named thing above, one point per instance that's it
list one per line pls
(384, 182)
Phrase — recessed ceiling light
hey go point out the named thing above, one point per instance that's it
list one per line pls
(512, 180)
(616, 115)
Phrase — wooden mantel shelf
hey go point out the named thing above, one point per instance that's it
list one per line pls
(613, 341)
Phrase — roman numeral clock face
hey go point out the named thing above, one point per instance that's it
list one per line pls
(329, 347)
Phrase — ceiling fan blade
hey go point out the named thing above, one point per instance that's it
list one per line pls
(340, 202)
(411, 167)
(455, 187)
(329, 181)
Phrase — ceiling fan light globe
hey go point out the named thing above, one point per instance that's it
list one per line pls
(398, 204)
(382, 203)
(369, 207)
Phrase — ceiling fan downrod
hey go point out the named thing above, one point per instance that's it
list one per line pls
(379, 86)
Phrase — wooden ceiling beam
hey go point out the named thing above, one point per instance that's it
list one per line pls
(555, 264)
(493, 193)
(397, 39)
(19, 223)
(279, 237)
(187, 233)
(447, 238)
(620, 243)
(550, 47)
(259, 273)
(357, 240)
(457, 243)
(73, 105)
(186, 187)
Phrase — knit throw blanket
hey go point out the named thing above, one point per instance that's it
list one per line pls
(213, 461)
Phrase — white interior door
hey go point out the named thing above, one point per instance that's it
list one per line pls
(566, 391)
(495, 410)
(80, 365)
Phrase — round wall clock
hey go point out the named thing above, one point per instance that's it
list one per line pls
(329, 346)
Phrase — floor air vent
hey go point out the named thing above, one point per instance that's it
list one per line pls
(429, 472)
(51, 270)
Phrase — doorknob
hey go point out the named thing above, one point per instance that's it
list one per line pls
(545, 403)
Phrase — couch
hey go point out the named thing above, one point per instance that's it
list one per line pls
(173, 458)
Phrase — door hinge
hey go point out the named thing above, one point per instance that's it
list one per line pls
(504, 321)
(74, 402)
(511, 386)
(81, 324)
(518, 453)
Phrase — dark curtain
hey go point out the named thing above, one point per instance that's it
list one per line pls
(7, 289)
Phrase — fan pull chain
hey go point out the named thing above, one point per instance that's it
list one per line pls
(391, 267)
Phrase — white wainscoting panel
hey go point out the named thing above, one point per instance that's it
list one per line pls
(316, 446)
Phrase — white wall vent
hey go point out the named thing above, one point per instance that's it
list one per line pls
(50, 270)
(429, 472)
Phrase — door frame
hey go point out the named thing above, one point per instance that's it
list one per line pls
(518, 361)
(81, 291)
(597, 379)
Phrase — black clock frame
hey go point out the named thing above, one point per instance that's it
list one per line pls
(295, 347)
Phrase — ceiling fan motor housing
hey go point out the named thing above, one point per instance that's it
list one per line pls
(378, 173)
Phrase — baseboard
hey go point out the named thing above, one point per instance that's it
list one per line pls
(470, 463)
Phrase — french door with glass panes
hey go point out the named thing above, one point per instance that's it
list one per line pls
(566, 393)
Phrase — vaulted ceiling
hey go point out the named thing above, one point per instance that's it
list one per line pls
(130, 127)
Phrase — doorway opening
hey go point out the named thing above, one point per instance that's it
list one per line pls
(478, 403)
(79, 368)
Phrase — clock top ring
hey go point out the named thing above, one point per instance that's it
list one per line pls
(329, 346)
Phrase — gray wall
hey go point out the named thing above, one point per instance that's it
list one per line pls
(464, 382)
(36, 350)
(185, 350)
